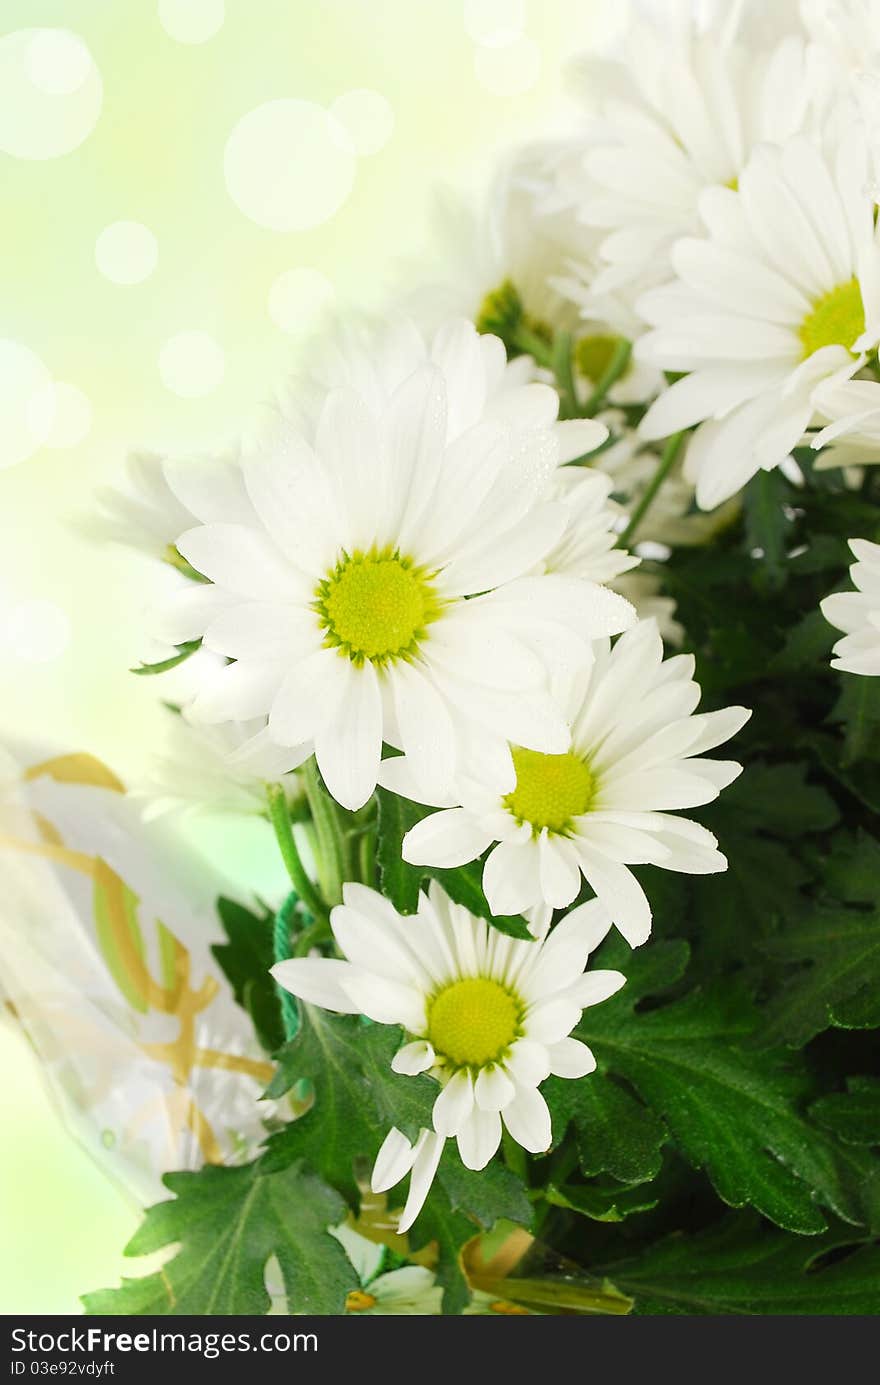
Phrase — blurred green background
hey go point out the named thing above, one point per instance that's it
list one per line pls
(185, 187)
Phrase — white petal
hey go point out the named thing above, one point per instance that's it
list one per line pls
(375, 946)
(528, 1063)
(511, 877)
(493, 1089)
(425, 728)
(479, 1138)
(393, 1162)
(240, 559)
(550, 1021)
(528, 1120)
(317, 981)
(309, 696)
(450, 838)
(414, 1058)
(428, 1157)
(386, 1002)
(559, 869)
(349, 750)
(595, 986)
(454, 1104)
(620, 893)
(571, 1058)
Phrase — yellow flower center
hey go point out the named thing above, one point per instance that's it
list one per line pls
(375, 606)
(550, 789)
(473, 1022)
(593, 355)
(837, 319)
(359, 1301)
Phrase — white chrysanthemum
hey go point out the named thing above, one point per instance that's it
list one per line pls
(606, 804)
(678, 112)
(848, 31)
(487, 1015)
(217, 769)
(153, 506)
(586, 547)
(409, 1290)
(376, 587)
(858, 613)
(849, 412)
(644, 590)
(782, 295)
(506, 242)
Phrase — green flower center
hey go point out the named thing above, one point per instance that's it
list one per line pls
(375, 606)
(837, 319)
(473, 1022)
(550, 789)
(593, 355)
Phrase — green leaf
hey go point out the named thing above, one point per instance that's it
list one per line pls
(778, 799)
(858, 709)
(245, 961)
(807, 644)
(228, 1223)
(357, 1096)
(732, 1112)
(767, 524)
(401, 882)
(606, 1204)
(615, 1133)
(836, 950)
(744, 1267)
(461, 1204)
(183, 652)
(853, 1115)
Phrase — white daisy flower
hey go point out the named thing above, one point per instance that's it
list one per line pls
(586, 547)
(484, 252)
(487, 1015)
(849, 412)
(782, 295)
(678, 112)
(858, 613)
(411, 1289)
(217, 769)
(384, 594)
(606, 804)
(644, 590)
(159, 498)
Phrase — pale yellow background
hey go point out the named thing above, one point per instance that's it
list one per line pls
(156, 156)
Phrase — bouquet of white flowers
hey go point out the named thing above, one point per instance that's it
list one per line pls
(550, 993)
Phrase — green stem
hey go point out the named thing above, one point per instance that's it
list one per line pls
(330, 858)
(667, 462)
(609, 378)
(279, 817)
(531, 344)
(317, 932)
(561, 363)
(281, 949)
(367, 854)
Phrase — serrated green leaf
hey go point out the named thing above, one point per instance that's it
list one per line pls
(358, 1097)
(778, 799)
(605, 1204)
(858, 710)
(767, 525)
(615, 1133)
(228, 1223)
(853, 1115)
(399, 882)
(744, 1267)
(245, 961)
(732, 1112)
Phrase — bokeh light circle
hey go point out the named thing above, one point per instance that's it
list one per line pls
(367, 117)
(50, 93)
(494, 22)
(37, 631)
(26, 403)
(192, 364)
(191, 21)
(299, 301)
(289, 165)
(70, 411)
(508, 70)
(126, 252)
